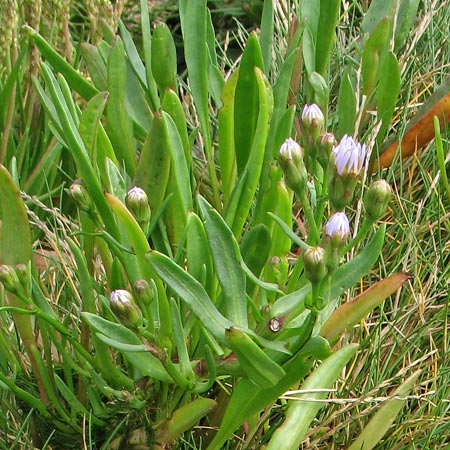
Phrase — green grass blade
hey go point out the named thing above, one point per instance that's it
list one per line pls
(380, 423)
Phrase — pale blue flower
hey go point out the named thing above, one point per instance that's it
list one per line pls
(349, 156)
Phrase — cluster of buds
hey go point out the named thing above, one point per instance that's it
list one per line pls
(14, 279)
(342, 165)
(136, 201)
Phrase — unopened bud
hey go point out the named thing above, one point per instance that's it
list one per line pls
(137, 202)
(124, 307)
(325, 145)
(9, 278)
(314, 260)
(143, 292)
(79, 195)
(291, 161)
(337, 229)
(377, 199)
(23, 275)
(313, 121)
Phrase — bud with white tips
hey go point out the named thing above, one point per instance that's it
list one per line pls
(291, 161)
(136, 201)
(124, 307)
(313, 121)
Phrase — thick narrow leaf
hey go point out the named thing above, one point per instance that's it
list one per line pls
(248, 399)
(247, 101)
(380, 423)
(387, 93)
(152, 173)
(377, 11)
(257, 365)
(15, 237)
(351, 272)
(240, 202)
(226, 257)
(420, 130)
(329, 14)
(164, 58)
(90, 122)
(266, 35)
(179, 185)
(193, 18)
(300, 413)
(192, 293)
(117, 335)
(349, 314)
(133, 56)
(346, 107)
(95, 64)
(76, 81)
(174, 108)
(119, 126)
(184, 418)
(227, 148)
(198, 254)
(147, 51)
(406, 16)
(375, 48)
(255, 246)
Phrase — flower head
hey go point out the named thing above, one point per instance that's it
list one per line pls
(349, 157)
(337, 228)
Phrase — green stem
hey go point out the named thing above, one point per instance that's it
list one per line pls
(314, 235)
(365, 228)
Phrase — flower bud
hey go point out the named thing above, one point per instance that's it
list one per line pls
(377, 199)
(337, 229)
(23, 275)
(314, 260)
(143, 292)
(124, 307)
(313, 121)
(137, 202)
(291, 161)
(9, 278)
(79, 195)
(325, 144)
